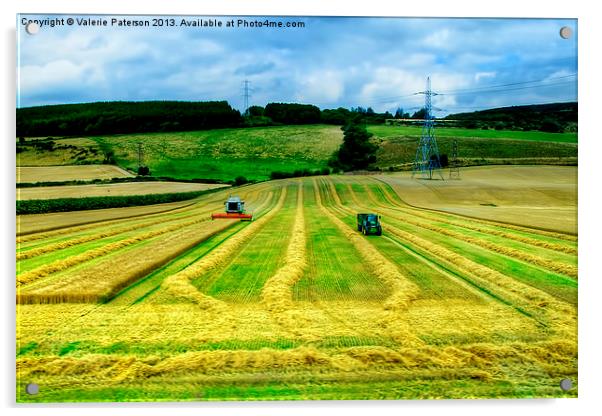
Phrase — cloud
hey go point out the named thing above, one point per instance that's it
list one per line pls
(320, 87)
(483, 75)
(332, 62)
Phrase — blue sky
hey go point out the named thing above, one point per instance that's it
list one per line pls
(331, 62)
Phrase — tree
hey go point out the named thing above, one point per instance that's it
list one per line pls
(256, 110)
(143, 171)
(400, 114)
(240, 180)
(420, 114)
(356, 151)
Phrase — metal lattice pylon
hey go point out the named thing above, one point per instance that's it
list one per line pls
(427, 158)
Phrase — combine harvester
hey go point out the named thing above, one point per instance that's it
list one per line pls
(235, 208)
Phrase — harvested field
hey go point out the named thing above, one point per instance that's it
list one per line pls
(30, 174)
(297, 304)
(113, 189)
(533, 196)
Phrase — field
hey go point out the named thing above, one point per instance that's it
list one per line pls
(169, 305)
(67, 151)
(256, 152)
(386, 131)
(114, 189)
(226, 153)
(477, 147)
(30, 174)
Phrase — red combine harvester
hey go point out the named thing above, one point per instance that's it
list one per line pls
(235, 208)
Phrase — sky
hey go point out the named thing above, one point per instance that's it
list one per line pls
(331, 62)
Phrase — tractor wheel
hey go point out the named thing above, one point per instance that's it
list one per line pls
(364, 231)
(379, 233)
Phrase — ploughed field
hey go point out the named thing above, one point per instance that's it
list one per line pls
(170, 305)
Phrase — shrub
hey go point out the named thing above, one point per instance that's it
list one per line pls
(240, 180)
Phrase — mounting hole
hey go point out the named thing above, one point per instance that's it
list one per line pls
(32, 28)
(566, 384)
(565, 32)
(32, 388)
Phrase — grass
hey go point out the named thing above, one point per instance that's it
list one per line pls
(297, 304)
(384, 131)
(247, 271)
(227, 153)
(70, 151)
(332, 272)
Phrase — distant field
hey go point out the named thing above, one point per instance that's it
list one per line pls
(398, 145)
(514, 194)
(227, 153)
(71, 151)
(69, 173)
(114, 189)
(254, 153)
(539, 136)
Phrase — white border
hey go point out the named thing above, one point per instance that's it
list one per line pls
(590, 156)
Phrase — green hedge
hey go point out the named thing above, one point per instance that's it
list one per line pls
(41, 206)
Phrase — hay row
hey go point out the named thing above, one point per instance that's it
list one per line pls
(93, 225)
(118, 272)
(403, 290)
(529, 299)
(277, 291)
(425, 361)
(565, 269)
(445, 218)
(179, 285)
(23, 255)
(558, 267)
(60, 265)
(545, 233)
(198, 205)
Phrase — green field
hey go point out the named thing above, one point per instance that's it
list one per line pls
(255, 153)
(383, 131)
(477, 147)
(226, 153)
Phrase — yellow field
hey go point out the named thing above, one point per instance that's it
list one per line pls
(298, 305)
(69, 173)
(534, 196)
(113, 189)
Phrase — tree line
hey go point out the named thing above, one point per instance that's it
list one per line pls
(123, 117)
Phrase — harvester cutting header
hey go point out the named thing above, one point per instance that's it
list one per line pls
(235, 208)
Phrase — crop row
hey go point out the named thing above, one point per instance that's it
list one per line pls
(403, 290)
(412, 217)
(179, 285)
(276, 293)
(119, 270)
(500, 230)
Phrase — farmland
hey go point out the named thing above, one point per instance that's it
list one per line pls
(224, 154)
(31, 174)
(457, 299)
(115, 189)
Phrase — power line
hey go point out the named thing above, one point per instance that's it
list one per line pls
(483, 89)
(505, 85)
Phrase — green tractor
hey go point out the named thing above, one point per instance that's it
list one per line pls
(369, 224)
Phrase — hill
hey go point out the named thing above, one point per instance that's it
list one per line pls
(552, 118)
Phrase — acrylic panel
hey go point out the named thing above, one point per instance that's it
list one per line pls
(219, 208)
